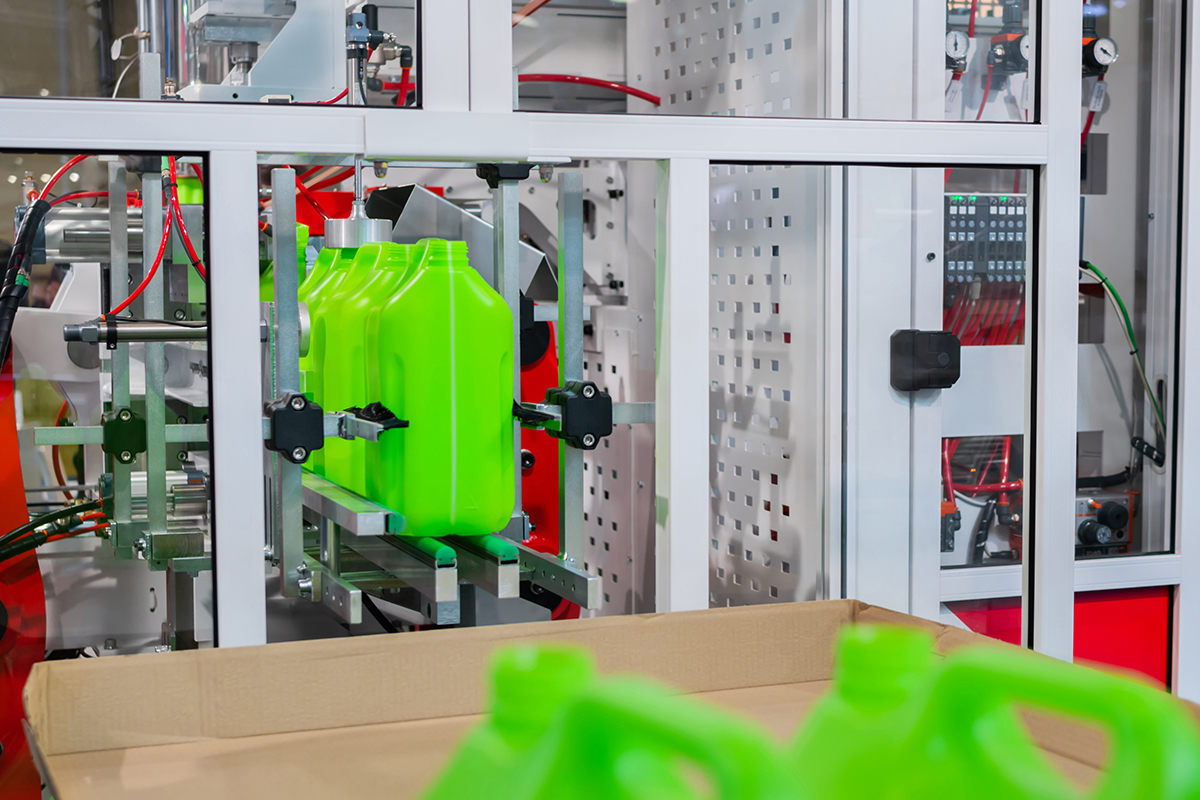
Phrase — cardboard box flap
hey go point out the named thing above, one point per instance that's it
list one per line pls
(297, 686)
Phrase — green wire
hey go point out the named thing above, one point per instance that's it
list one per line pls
(1137, 356)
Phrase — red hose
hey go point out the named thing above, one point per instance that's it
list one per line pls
(1005, 453)
(988, 488)
(527, 9)
(947, 481)
(1087, 126)
(333, 100)
(987, 90)
(54, 178)
(183, 233)
(141, 287)
(971, 22)
(332, 180)
(304, 192)
(544, 77)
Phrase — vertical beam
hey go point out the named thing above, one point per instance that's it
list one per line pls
(181, 610)
(445, 69)
(1186, 656)
(926, 407)
(681, 386)
(506, 226)
(289, 543)
(235, 380)
(1048, 611)
(570, 353)
(491, 55)
(118, 220)
(155, 358)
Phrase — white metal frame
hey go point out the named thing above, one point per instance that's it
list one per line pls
(467, 116)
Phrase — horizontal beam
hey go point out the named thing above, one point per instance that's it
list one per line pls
(396, 134)
(1091, 575)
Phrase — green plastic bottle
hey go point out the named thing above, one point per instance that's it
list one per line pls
(556, 731)
(900, 726)
(266, 281)
(379, 270)
(318, 290)
(445, 360)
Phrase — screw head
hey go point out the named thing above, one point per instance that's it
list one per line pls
(125, 415)
(125, 457)
(182, 456)
(609, 225)
(588, 440)
(299, 453)
(298, 403)
(609, 180)
(589, 391)
(930, 256)
(179, 315)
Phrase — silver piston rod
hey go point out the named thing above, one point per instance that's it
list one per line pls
(82, 234)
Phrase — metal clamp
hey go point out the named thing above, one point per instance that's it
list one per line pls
(124, 435)
(581, 414)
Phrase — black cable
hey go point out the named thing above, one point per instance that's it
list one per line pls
(1104, 481)
(383, 621)
(47, 518)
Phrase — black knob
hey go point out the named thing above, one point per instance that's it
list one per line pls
(371, 12)
(1093, 532)
(1114, 515)
(527, 459)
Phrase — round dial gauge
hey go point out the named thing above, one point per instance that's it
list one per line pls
(1026, 46)
(1104, 50)
(957, 44)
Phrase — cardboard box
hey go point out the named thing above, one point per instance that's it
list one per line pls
(377, 716)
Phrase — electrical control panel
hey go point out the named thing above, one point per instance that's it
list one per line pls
(985, 238)
(1102, 523)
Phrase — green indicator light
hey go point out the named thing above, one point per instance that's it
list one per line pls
(973, 198)
(1003, 199)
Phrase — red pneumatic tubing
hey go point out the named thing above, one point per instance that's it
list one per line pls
(545, 77)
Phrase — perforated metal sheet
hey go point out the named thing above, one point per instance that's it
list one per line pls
(729, 57)
(767, 387)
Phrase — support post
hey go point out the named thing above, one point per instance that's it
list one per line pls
(235, 373)
(570, 354)
(681, 386)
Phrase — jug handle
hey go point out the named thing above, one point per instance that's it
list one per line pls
(740, 761)
(1154, 748)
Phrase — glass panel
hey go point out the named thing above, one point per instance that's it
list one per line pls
(767, 400)
(250, 51)
(773, 58)
(1125, 628)
(1126, 452)
(934, 422)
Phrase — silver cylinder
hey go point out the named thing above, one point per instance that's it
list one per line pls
(82, 234)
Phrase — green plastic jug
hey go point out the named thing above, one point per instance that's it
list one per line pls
(556, 731)
(379, 270)
(318, 290)
(899, 725)
(445, 355)
(266, 280)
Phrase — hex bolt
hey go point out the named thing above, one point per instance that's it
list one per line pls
(298, 403)
(299, 453)
(589, 391)
(179, 315)
(125, 415)
(588, 440)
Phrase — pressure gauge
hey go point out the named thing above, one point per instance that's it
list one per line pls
(957, 45)
(1098, 55)
(1025, 47)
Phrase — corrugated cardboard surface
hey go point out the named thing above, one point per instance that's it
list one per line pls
(377, 716)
